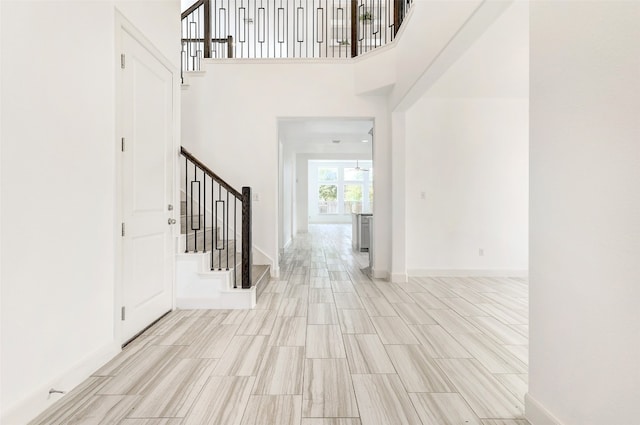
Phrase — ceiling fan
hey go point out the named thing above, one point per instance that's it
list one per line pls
(358, 167)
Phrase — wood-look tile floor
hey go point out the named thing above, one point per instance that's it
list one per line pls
(326, 345)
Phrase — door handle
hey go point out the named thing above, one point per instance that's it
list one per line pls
(172, 221)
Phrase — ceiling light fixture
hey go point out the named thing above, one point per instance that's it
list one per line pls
(335, 141)
(365, 141)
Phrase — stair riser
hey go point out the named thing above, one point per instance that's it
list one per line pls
(199, 288)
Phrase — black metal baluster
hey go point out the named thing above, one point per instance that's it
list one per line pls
(195, 234)
(239, 28)
(333, 15)
(379, 24)
(197, 61)
(290, 41)
(314, 15)
(326, 30)
(215, 30)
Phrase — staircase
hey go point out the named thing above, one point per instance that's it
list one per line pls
(211, 270)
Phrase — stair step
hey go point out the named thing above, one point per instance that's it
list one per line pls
(200, 237)
(220, 256)
(260, 275)
(185, 222)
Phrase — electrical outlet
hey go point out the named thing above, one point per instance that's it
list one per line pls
(423, 195)
(481, 252)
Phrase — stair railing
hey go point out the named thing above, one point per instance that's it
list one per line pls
(196, 30)
(209, 200)
(287, 28)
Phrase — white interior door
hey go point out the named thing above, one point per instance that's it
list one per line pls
(147, 167)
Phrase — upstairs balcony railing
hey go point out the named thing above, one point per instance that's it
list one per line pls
(255, 29)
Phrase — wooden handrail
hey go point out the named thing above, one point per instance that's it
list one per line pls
(210, 173)
(191, 9)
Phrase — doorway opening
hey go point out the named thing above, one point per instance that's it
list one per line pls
(326, 174)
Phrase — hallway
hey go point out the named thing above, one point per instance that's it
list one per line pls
(325, 341)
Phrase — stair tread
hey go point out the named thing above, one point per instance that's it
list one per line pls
(257, 271)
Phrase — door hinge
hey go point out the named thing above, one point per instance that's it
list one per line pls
(122, 313)
(122, 229)
(122, 60)
(122, 144)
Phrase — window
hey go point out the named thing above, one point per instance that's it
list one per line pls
(339, 188)
(351, 174)
(326, 174)
(327, 193)
(352, 198)
(327, 199)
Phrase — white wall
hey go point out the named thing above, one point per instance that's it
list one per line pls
(58, 191)
(585, 213)
(466, 186)
(239, 119)
(288, 194)
(425, 34)
(430, 26)
(466, 151)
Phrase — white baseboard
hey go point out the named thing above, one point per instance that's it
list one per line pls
(399, 277)
(467, 272)
(275, 272)
(39, 399)
(380, 274)
(536, 414)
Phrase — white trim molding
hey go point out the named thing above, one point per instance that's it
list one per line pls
(537, 414)
(399, 277)
(380, 274)
(467, 272)
(39, 398)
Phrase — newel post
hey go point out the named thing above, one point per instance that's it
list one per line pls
(246, 237)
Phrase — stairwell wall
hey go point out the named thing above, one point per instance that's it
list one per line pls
(59, 190)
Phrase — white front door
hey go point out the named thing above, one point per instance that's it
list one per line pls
(147, 185)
